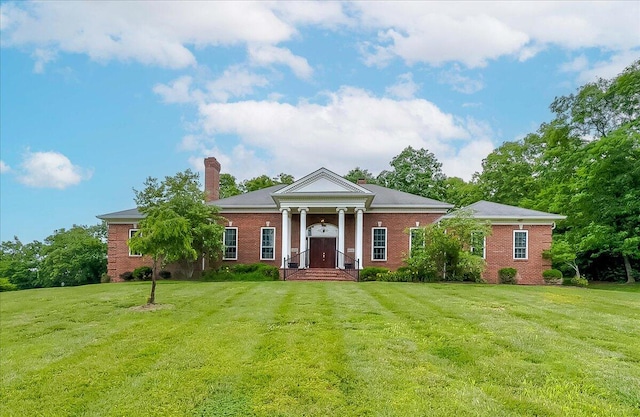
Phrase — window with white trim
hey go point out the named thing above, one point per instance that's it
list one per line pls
(379, 244)
(478, 245)
(520, 244)
(230, 244)
(268, 243)
(416, 240)
(132, 233)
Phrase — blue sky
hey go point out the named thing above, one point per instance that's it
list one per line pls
(97, 96)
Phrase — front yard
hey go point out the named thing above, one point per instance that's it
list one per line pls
(321, 349)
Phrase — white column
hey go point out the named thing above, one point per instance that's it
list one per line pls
(341, 211)
(285, 236)
(289, 234)
(359, 225)
(303, 236)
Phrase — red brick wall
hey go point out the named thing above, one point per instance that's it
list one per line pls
(499, 253)
(249, 236)
(118, 259)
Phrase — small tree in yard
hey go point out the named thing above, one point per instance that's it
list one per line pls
(178, 225)
(444, 250)
(562, 253)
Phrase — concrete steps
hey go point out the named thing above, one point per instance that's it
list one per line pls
(320, 274)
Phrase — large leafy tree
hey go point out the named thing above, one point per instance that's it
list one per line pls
(74, 257)
(415, 171)
(360, 174)
(229, 186)
(179, 197)
(20, 263)
(264, 181)
(461, 193)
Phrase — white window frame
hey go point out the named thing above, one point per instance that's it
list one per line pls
(526, 246)
(373, 247)
(131, 254)
(411, 229)
(484, 245)
(262, 229)
(224, 243)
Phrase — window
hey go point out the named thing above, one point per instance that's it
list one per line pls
(268, 243)
(520, 244)
(379, 244)
(132, 233)
(478, 243)
(230, 243)
(416, 240)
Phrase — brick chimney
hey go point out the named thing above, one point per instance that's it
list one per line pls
(212, 178)
(362, 180)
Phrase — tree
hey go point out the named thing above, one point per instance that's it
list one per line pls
(358, 173)
(74, 257)
(20, 263)
(181, 196)
(228, 186)
(444, 250)
(461, 193)
(563, 254)
(415, 171)
(166, 237)
(264, 181)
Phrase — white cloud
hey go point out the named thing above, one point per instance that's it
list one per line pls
(405, 88)
(266, 55)
(178, 90)
(235, 82)
(50, 170)
(338, 134)
(459, 82)
(42, 57)
(473, 33)
(609, 68)
(578, 64)
(4, 168)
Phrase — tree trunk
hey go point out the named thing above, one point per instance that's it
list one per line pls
(627, 267)
(152, 296)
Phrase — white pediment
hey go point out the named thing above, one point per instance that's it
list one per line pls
(322, 181)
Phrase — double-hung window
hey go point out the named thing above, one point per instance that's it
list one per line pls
(520, 244)
(268, 243)
(379, 244)
(478, 245)
(230, 243)
(132, 233)
(416, 240)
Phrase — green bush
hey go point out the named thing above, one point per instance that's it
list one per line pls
(371, 273)
(551, 275)
(579, 282)
(507, 275)
(242, 272)
(104, 278)
(5, 285)
(127, 276)
(397, 276)
(143, 273)
(164, 274)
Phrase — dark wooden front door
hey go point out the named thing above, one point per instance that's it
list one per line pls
(322, 252)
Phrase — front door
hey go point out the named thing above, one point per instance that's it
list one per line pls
(322, 252)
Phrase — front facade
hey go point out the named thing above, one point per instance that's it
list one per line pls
(324, 221)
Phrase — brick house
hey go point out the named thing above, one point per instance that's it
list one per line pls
(323, 221)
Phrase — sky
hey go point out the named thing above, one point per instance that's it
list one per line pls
(97, 96)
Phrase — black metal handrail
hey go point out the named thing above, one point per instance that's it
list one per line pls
(351, 265)
(292, 264)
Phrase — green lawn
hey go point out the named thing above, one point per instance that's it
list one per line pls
(321, 349)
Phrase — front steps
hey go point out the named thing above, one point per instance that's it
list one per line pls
(318, 274)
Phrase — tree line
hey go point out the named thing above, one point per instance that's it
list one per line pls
(584, 163)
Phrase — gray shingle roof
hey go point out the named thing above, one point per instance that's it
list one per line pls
(488, 210)
(124, 214)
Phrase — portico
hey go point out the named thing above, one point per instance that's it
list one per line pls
(331, 202)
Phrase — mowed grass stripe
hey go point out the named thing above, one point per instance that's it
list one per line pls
(315, 349)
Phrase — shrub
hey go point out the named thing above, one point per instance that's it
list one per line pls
(127, 276)
(507, 275)
(143, 273)
(551, 275)
(579, 282)
(370, 273)
(164, 274)
(401, 275)
(242, 272)
(104, 278)
(6, 285)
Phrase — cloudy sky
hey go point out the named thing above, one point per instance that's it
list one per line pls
(97, 96)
